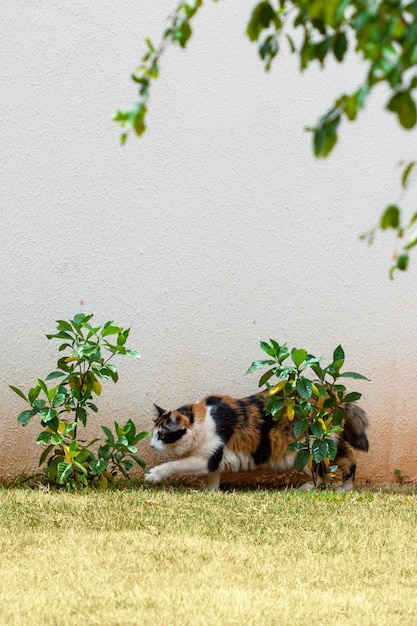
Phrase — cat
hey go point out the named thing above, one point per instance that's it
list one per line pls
(223, 434)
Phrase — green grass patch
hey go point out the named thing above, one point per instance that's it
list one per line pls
(176, 556)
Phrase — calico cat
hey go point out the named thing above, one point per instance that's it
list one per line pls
(222, 434)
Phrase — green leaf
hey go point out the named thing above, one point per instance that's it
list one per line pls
(283, 353)
(266, 377)
(58, 399)
(104, 452)
(340, 46)
(45, 454)
(98, 465)
(353, 396)
(64, 325)
(24, 418)
(270, 350)
(403, 104)
(350, 104)
(301, 459)
(298, 356)
(56, 439)
(338, 354)
(108, 434)
(19, 393)
(51, 393)
(304, 387)
(300, 427)
(43, 386)
(81, 413)
(142, 435)
(64, 471)
(336, 367)
(258, 365)
(406, 173)
(325, 135)
(113, 372)
(411, 242)
(391, 217)
(134, 353)
(330, 402)
(303, 410)
(121, 339)
(127, 464)
(182, 33)
(139, 461)
(44, 437)
(61, 335)
(316, 430)
(137, 119)
(57, 374)
(402, 262)
(353, 375)
(332, 445)
(339, 415)
(318, 371)
(277, 407)
(262, 15)
(80, 467)
(80, 319)
(111, 330)
(84, 455)
(47, 415)
(268, 50)
(320, 450)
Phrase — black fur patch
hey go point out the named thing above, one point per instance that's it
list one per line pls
(341, 450)
(244, 405)
(243, 411)
(214, 460)
(187, 410)
(171, 436)
(224, 417)
(359, 441)
(351, 474)
(263, 451)
(258, 402)
(213, 400)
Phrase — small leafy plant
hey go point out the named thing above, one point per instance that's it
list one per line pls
(401, 478)
(310, 395)
(64, 407)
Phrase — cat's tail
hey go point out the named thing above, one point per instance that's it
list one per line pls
(355, 425)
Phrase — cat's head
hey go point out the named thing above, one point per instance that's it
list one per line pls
(170, 430)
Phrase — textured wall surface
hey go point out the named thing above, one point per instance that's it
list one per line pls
(216, 230)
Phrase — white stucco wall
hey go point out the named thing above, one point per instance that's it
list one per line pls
(214, 231)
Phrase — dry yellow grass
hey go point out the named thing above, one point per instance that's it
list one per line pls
(174, 556)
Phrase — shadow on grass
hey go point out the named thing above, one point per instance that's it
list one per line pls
(242, 482)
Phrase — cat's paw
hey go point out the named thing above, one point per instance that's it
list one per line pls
(306, 486)
(153, 476)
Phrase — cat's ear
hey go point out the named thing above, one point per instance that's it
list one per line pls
(160, 411)
(177, 418)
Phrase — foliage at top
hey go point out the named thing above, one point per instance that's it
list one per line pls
(383, 33)
(64, 407)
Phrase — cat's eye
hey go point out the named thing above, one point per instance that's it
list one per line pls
(161, 436)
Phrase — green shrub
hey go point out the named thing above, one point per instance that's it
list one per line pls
(310, 395)
(64, 405)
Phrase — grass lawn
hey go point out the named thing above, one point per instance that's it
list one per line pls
(174, 556)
